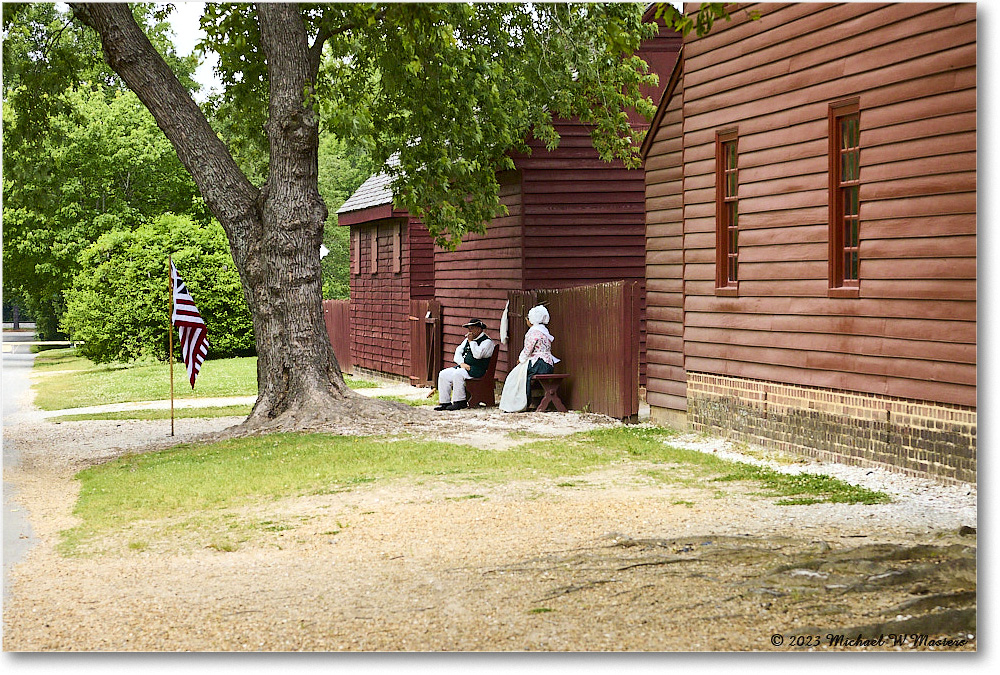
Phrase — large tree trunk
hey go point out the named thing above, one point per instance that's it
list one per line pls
(297, 372)
(274, 233)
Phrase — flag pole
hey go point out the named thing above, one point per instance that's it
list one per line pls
(170, 332)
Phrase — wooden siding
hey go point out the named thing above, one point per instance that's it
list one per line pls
(380, 301)
(667, 381)
(472, 281)
(583, 218)
(911, 333)
(421, 258)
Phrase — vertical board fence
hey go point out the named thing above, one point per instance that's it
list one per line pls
(596, 330)
(425, 342)
(337, 316)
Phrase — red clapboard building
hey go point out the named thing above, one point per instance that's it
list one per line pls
(572, 220)
(811, 234)
(392, 263)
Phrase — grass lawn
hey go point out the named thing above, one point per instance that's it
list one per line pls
(190, 487)
(77, 382)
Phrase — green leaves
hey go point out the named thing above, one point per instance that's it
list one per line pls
(119, 304)
(103, 165)
(451, 88)
(700, 22)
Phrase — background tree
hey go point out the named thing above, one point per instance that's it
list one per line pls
(81, 155)
(119, 302)
(450, 88)
(342, 170)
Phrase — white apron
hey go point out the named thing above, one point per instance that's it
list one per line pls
(515, 395)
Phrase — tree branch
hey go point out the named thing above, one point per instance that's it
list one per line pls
(228, 193)
(325, 33)
(316, 51)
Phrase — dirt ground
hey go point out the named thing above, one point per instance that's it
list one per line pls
(610, 561)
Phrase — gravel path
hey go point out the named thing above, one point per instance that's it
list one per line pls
(608, 561)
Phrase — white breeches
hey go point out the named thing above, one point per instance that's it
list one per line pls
(451, 384)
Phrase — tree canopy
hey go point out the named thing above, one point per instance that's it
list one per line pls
(447, 88)
(81, 155)
(119, 302)
(450, 88)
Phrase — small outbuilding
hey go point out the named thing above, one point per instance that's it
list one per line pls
(572, 220)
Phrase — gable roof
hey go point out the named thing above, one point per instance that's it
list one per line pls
(661, 109)
(376, 191)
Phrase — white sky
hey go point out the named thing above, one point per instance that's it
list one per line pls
(184, 20)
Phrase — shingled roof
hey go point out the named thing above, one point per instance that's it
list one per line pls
(375, 191)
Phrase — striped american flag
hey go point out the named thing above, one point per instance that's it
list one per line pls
(190, 325)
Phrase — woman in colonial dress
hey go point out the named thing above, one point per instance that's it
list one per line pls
(535, 359)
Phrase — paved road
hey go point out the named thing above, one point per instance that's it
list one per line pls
(17, 535)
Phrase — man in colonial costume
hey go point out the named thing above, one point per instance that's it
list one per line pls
(472, 358)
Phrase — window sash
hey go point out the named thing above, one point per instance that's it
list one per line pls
(845, 185)
(727, 211)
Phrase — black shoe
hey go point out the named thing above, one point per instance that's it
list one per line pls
(458, 405)
(443, 406)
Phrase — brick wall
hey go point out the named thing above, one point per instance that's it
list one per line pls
(918, 438)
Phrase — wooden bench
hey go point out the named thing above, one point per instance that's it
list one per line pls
(483, 389)
(550, 384)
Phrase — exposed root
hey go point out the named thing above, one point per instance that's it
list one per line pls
(351, 414)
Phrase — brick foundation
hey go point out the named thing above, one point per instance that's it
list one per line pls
(915, 437)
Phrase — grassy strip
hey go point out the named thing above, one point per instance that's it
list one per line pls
(359, 384)
(804, 488)
(87, 384)
(415, 402)
(179, 413)
(189, 483)
(80, 382)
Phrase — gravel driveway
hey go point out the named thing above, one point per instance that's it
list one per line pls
(608, 561)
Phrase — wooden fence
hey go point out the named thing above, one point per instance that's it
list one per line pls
(596, 330)
(337, 315)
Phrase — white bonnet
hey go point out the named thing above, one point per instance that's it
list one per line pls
(538, 314)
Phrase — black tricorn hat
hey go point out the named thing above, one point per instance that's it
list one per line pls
(474, 322)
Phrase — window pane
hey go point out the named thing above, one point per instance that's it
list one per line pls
(849, 132)
(849, 166)
(854, 266)
(851, 201)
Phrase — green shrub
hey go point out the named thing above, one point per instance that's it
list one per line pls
(119, 305)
